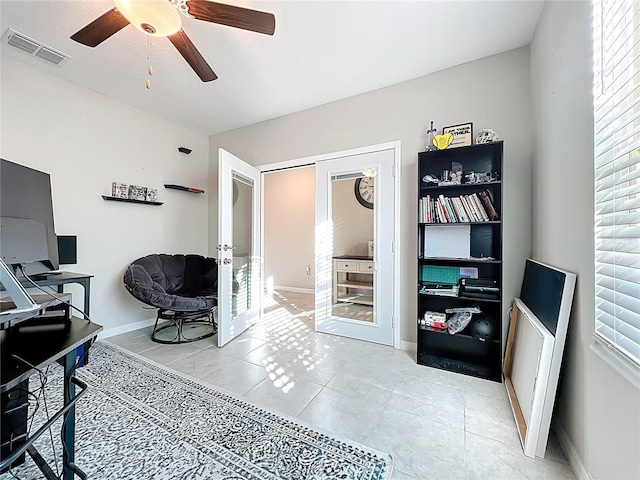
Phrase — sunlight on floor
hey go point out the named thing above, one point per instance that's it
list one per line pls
(288, 323)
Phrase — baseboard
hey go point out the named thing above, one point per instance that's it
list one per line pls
(130, 327)
(295, 290)
(570, 452)
(408, 346)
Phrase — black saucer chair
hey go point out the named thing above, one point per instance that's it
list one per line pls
(184, 290)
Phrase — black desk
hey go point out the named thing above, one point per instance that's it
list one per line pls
(41, 347)
(59, 280)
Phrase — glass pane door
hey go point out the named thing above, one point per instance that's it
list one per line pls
(354, 249)
(240, 258)
(352, 214)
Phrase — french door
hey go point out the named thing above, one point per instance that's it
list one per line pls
(354, 281)
(239, 249)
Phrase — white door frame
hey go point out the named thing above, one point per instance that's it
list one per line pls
(312, 160)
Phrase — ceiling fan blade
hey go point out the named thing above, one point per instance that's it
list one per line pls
(191, 54)
(239, 17)
(101, 28)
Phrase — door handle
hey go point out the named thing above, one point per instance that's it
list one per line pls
(227, 261)
(228, 247)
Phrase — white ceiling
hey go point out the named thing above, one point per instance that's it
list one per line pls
(322, 51)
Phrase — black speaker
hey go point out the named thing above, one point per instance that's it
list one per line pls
(14, 408)
(67, 249)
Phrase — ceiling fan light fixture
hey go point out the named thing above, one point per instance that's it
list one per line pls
(158, 18)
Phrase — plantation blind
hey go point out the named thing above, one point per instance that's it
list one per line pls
(617, 175)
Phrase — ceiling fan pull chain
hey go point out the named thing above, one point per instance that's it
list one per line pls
(150, 67)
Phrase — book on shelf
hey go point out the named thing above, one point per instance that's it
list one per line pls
(462, 215)
(476, 207)
(480, 207)
(473, 210)
(485, 198)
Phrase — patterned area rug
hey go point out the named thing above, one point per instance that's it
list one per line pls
(140, 421)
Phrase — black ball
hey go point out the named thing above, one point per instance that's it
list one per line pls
(483, 328)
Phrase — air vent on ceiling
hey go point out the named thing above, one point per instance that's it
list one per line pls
(35, 48)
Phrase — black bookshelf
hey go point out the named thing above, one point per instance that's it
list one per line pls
(461, 352)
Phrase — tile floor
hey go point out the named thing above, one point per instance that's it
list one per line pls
(364, 313)
(435, 424)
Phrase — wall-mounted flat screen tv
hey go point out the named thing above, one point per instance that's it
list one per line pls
(27, 231)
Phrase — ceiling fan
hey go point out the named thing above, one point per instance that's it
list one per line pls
(161, 18)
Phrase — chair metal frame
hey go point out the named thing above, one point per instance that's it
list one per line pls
(180, 319)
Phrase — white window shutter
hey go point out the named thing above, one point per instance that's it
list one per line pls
(617, 174)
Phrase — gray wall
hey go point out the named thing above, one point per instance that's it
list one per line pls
(492, 92)
(289, 227)
(598, 412)
(352, 223)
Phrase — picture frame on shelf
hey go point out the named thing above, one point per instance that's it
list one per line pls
(462, 134)
(137, 192)
(151, 195)
(120, 190)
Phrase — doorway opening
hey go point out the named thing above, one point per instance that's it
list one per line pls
(290, 240)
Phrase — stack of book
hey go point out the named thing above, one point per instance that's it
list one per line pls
(477, 207)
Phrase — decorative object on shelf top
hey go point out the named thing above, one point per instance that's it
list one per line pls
(487, 135)
(431, 133)
(457, 176)
(183, 188)
(462, 134)
(482, 177)
(443, 141)
(134, 192)
(431, 178)
(456, 173)
(184, 150)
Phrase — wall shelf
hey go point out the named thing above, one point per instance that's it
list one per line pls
(172, 186)
(130, 200)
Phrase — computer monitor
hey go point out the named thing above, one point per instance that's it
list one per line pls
(27, 231)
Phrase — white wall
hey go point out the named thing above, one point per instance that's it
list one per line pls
(492, 92)
(598, 412)
(85, 141)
